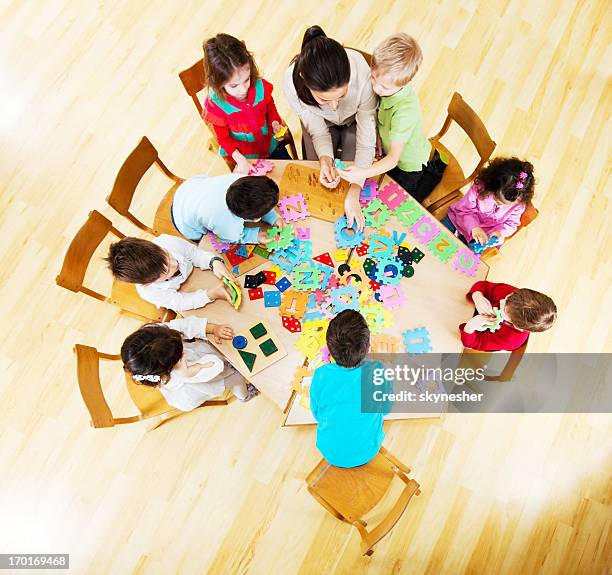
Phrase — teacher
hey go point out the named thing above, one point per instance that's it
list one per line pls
(329, 88)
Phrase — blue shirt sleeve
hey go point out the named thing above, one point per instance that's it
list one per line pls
(249, 235)
(270, 217)
(314, 394)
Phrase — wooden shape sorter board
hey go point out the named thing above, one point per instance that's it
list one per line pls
(322, 202)
(253, 347)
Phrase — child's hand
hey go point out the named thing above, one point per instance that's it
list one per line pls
(483, 305)
(262, 238)
(353, 174)
(221, 332)
(353, 212)
(278, 127)
(479, 235)
(279, 223)
(497, 235)
(477, 323)
(218, 292)
(220, 270)
(243, 166)
(328, 176)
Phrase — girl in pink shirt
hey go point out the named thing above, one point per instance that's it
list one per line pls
(494, 203)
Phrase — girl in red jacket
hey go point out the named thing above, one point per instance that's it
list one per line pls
(522, 311)
(239, 107)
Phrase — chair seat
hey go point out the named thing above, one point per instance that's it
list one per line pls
(352, 491)
(452, 180)
(125, 296)
(150, 401)
(162, 223)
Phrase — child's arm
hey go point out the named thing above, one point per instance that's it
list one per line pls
(511, 222)
(172, 299)
(465, 212)
(355, 174)
(199, 327)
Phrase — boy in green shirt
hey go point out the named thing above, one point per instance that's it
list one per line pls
(400, 126)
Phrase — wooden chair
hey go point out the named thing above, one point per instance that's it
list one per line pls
(78, 258)
(194, 81)
(508, 370)
(454, 179)
(142, 157)
(149, 401)
(348, 494)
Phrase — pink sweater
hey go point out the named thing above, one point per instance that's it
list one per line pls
(471, 212)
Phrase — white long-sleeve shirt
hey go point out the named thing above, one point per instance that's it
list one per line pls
(165, 293)
(187, 393)
(359, 103)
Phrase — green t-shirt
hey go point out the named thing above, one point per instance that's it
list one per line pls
(399, 119)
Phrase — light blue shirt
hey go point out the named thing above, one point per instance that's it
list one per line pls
(199, 205)
(346, 437)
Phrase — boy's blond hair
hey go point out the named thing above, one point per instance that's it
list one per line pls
(399, 56)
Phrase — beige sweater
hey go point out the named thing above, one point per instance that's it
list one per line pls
(359, 104)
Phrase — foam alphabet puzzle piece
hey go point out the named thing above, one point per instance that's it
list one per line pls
(389, 271)
(392, 296)
(408, 271)
(466, 261)
(368, 192)
(495, 324)
(293, 208)
(417, 255)
(261, 167)
(218, 244)
(258, 330)
(324, 259)
(325, 274)
(443, 247)
(377, 317)
(282, 284)
(417, 340)
(370, 268)
(478, 248)
(381, 246)
(291, 324)
(398, 238)
(347, 237)
(254, 281)
(362, 250)
(404, 253)
(376, 214)
(305, 277)
(294, 304)
(256, 293)
(340, 255)
(392, 195)
(424, 229)
(345, 297)
(281, 238)
(248, 358)
(268, 347)
(408, 212)
(339, 164)
(272, 298)
(302, 233)
(270, 277)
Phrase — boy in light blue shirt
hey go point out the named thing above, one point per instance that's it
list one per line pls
(346, 436)
(224, 205)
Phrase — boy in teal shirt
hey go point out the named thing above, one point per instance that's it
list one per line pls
(399, 121)
(346, 436)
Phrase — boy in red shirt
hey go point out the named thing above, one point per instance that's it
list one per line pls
(522, 310)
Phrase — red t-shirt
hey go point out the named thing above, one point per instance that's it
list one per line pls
(507, 337)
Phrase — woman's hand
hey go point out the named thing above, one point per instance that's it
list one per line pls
(221, 332)
(479, 235)
(328, 175)
(352, 209)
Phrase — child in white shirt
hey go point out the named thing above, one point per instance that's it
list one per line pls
(187, 373)
(159, 268)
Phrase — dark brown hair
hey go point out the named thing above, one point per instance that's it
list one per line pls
(223, 55)
(321, 65)
(531, 310)
(348, 338)
(136, 261)
(152, 350)
(502, 176)
(252, 197)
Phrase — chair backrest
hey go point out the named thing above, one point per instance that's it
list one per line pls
(142, 157)
(77, 260)
(350, 493)
(366, 55)
(148, 400)
(461, 113)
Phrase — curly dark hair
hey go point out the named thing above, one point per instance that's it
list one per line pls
(152, 350)
(502, 178)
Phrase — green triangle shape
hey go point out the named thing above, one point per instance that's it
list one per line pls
(248, 358)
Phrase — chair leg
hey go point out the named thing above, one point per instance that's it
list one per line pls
(327, 506)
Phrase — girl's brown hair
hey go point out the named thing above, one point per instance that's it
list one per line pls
(508, 179)
(152, 351)
(223, 55)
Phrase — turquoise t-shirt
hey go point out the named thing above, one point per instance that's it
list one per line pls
(346, 437)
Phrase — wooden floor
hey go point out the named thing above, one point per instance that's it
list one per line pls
(222, 490)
